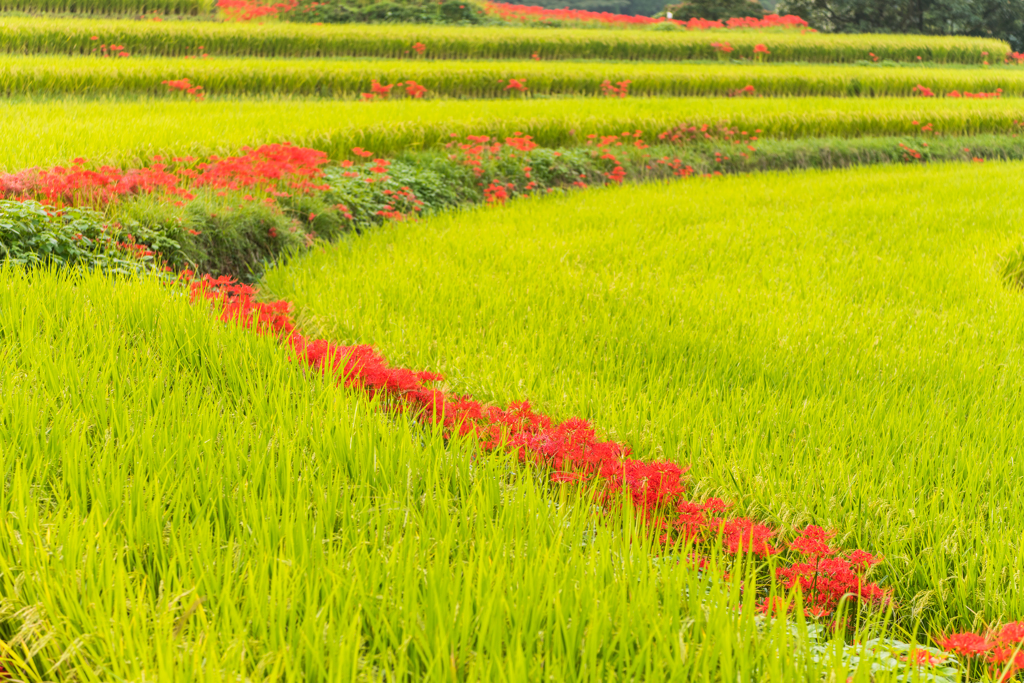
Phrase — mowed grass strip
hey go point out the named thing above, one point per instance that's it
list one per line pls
(830, 348)
(182, 501)
(282, 39)
(114, 131)
(88, 76)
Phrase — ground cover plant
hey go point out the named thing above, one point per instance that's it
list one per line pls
(76, 36)
(748, 344)
(50, 76)
(129, 133)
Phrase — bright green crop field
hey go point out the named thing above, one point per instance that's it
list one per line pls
(188, 504)
(54, 132)
(828, 348)
(283, 39)
(89, 76)
(182, 499)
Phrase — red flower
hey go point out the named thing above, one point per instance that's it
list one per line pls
(966, 644)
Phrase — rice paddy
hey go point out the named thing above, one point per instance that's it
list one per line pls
(624, 419)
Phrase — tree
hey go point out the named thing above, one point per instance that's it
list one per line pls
(987, 18)
(716, 10)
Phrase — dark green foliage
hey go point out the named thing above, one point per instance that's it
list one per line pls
(33, 234)
(987, 18)
(715, 10)
(390, 11)
(645, 8)
(216, 235)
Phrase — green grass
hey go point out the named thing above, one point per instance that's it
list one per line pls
(54, 132)
(182, 502)
(73, 36)
(87, 76)
(835, 348)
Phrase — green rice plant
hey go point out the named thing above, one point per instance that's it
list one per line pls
(88, 76)
(831, 348)
(54, 132)
(183, 501)
(172, 38)
(109, 7)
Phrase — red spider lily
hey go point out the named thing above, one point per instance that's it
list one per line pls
(183, 85)
(535, 57)
(924, 658)
(760, 48)
(517, 84)
(813, 541)
(620, 89)
(521, 142)
(414, 89)
(360, 152)
(723, 48)
(922, 91)
(379, 90)
(419, 48)
(1012, 633)
(966, 644)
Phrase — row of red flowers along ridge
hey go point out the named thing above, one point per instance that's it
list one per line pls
(571, 454)
(509, 12)
(247, 10)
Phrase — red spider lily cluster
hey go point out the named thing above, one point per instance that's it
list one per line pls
(684, 133)
(676, 166)
(1016, 57)
(183, 85)
(602, 142)
(925, 128)
(723, 48)
(620, 89)
(515, 84)
(760, 49)
(497, 193)
(976, 95)
(275, 169)
(511, 12)
(109, 50)
(398, 199)
(923, 91)
(999, 650)
(247, 10)
(740, 92)
(826, 577)
(477, 148)
(419, 48)
(383, 92)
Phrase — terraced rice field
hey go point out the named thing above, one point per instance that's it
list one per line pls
(599, 365)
